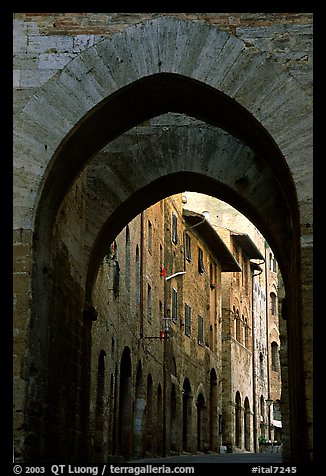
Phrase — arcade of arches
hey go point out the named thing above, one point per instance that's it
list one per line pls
(166, 105)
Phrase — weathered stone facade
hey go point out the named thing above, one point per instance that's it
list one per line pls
(186, 315)
(107, 121)
(153, 301)
(251, 324)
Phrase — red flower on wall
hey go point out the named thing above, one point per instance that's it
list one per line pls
(162, 271)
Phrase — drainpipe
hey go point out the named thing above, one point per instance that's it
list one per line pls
(184, 241)
(254, 396)
(267, 345)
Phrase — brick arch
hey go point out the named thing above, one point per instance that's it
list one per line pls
(175, 66)
(200, 390)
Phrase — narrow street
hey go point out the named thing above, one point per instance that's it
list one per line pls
(259, 458)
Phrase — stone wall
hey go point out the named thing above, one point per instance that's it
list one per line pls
(58, 80)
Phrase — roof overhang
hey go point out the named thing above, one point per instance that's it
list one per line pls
(245, 242)
(214, 242)
(255, 266)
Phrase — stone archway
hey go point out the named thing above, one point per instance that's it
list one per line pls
(93, 102)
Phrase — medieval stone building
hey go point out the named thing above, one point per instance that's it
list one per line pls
(114, 112)
(156, 343)
(180, 344)
(252, 326)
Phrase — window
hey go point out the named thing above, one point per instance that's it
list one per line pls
(187, 320)
(201, 267)
(149, 302)
(261, 365)
(174, 305)
(200, 330)
(160, 311)
(272, 263)
(247, 336)
(212, 275)
(211, 338)
(150, 237)
(174, 228)
(116, 278)
(188, 247)
(274, 348)
(277, 410)
(273, 303)
(238, 327)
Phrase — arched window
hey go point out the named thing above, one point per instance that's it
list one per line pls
(246, 424)
(174, 228)
(243, 329)
(262, 407)
(149, 425)
(159, 420)
(275, 356)
(247, 334)
(238, 326)
(238, 420)
(99, 419)
(149, 302)
(273, 303)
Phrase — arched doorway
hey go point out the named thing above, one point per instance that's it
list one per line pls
(100, 409)
(246, 425)
(149, 430)
(138, 430)
(124, 439)
(200, 422)
(213, 425)
(173, 420)
(159, 421)
(238, 421)
(186, 414)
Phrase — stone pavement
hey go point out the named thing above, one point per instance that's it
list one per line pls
(255, 458)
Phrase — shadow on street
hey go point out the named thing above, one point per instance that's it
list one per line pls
(259, 458)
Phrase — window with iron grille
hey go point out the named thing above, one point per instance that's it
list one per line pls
(273, 303)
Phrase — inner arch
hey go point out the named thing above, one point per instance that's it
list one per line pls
(146, 98)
